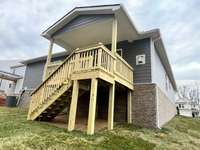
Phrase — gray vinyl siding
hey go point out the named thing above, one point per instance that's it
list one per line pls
(82, 20)
(142, 73)
(34, 73)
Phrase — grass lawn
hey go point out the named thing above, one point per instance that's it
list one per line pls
(17, 133)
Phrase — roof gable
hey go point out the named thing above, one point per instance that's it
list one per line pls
(75, 17)
(82, 20)
(100, 9)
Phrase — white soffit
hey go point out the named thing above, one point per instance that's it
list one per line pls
(126, 29)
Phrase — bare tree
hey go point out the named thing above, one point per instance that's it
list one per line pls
(190, 92)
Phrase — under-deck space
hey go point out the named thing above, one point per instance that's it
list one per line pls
(102, 107)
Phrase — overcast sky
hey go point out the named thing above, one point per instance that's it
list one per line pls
(22, 21)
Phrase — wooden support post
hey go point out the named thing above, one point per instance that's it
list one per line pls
(129, 105)
(114, 35)
(92, 106)
(48, 61)
(114, 40)
(73, 106)
(111, 106)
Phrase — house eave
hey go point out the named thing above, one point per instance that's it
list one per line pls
(161, 50)
(101, 9)
(43, 58)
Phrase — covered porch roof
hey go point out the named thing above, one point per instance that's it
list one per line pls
(84, 26)
(88, 25)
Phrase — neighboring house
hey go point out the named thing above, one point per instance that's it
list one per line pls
(188, 108)
(9, 79)
(5, 67)
(126, 77)
(20, 71)
(11, 72)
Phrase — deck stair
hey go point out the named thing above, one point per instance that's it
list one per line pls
(55, 93)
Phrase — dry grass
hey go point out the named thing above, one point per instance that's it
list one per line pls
(17, 133)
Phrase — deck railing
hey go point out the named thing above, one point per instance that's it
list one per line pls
(123, 69)
(86, 59)
(59, 77)
(93, 58)
(52, 67)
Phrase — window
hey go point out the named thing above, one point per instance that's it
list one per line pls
(180, 105)
(120, 52)
(10, 85)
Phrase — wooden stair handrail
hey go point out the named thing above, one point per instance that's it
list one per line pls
(81, 59)
(52, 73)
(73, 52)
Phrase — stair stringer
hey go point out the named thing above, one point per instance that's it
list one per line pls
(50, 101)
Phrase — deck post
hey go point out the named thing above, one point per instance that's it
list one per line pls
(48, 61)
(129, 105)
(111, 106)
(114, 40)
(114, 35)
(73, 106)
(92, 106)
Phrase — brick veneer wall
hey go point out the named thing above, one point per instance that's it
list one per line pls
(151, 107)
(166, 108)
(144, 105)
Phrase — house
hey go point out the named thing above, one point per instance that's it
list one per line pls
(11, 77)
(5, 67)
(110, 72)
(188, 108)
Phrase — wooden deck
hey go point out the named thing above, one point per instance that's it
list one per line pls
(62, 84)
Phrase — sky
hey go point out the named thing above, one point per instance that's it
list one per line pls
(22, 22)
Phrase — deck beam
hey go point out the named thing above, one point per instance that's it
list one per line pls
(73, 106)
(92, 106)
(111, 106)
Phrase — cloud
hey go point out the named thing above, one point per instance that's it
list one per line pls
(22, 22)
(190, 71)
